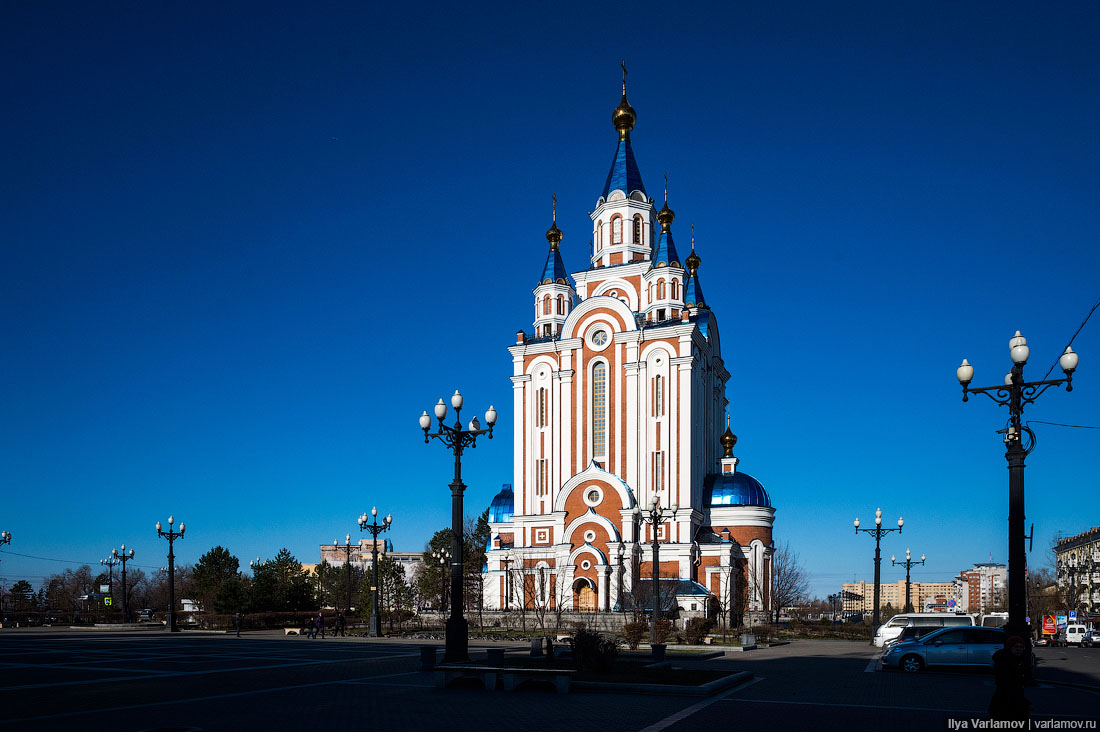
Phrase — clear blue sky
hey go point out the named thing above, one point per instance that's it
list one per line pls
(244, 246)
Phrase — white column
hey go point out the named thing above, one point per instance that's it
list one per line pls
(603, 572)
(519, 469)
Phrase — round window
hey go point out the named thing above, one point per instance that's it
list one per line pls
(590, 536)
(586, 564)
(599, 337)
(593, 496)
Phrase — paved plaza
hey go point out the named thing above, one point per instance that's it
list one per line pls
(61, 679)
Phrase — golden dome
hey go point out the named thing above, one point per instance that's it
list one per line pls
(665, 216)
(728, 440)
(553, 235)
(693, 261)
(623, 118)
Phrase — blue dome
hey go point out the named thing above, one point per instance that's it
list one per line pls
(500, 510)
(734, 489)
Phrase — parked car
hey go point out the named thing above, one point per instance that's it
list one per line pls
(1091, 639)
(145, 615)
(1071, 635)
(973, 646)
(1042, 640)
(911, 633)
(892, 628)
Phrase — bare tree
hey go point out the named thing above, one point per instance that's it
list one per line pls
(785, 584)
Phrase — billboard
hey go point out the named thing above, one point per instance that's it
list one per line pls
(1050, 627)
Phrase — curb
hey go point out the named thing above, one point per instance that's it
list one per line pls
(707, 689)
(1069, 684)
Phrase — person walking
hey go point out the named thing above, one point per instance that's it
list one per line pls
(321, 623)
(237, 622)
(1010, 669)
(339, 624)
(312, 625)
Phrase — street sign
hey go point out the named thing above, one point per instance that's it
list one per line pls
(1072, 616)
(1028, 620)
(107, 601)
(1050, 627)
(1061, 621)
(950, 603)
(104, 588)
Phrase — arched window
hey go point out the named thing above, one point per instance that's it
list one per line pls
(660, 289)
(546, 305)
(599, 236)
(561, 304)
(658, 396)
(616, 229)
(599, 410)
(675, 289)
(637, 228)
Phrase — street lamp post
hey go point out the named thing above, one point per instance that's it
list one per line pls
(832, 606)
(457, 440)
(347, 563)
(375, 529)
(1014, 394)
(878, 532)
(171, 536)
(124, 557)
(654, 516)
(442, 556)
(908, 563)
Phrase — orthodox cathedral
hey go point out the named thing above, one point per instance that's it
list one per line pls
(619, 398)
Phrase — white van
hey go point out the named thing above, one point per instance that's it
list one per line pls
(891, 629)
(1074, 635)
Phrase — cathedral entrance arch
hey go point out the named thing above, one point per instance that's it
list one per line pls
(584, 595)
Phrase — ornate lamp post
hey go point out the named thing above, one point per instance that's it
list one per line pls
(109, 563)
(5, 537)
(171, 536)
(375, 529)
(347, 563)
(908, 563)
(124, 557)
(457, 440)
(1014, 394)
(878, 532)
(442, 556)
(654, 516)
(832, 605)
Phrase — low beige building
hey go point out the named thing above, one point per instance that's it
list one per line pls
(859, 597)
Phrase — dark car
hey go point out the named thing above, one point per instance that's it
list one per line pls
(973, 646)
(912, 633)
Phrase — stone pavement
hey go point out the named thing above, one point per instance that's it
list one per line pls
(58, 679)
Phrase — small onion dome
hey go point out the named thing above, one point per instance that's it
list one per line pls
(734, 489)
(693, 261)
(554, 236)
(665, 216)
(623, 118)
(502, 506)
(727, 440)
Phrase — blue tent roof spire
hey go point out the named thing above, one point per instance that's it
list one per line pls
(664, 251)
(624, 174)
(693, 291)
(554, 269)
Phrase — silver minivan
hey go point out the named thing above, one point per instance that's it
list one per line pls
(892, 628)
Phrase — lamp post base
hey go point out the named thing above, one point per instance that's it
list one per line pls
(458, 641)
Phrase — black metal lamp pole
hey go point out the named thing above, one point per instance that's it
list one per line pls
(347, 563)
(1014, 394)
(375, 529)
(443, 555)
(124, 557)
(654, 516)
(456, 440)
(908, 563)
(171, 536)
(878, 532)
(109, 563)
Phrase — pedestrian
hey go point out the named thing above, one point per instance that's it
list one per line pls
(312, 625)
(339, 624)
(321, 623)
(1010, 669)
(237, 622)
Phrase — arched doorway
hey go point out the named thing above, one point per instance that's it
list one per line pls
(584, 596)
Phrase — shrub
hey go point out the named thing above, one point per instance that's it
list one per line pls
(696, 629)
(664, 628)
(634, 633)
(594, 651)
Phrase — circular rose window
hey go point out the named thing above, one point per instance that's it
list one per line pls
(590, 536)
(593, 496)
(586, 564)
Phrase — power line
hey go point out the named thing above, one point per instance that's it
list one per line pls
(68, 561)
(1071, 339)
(1059, 424)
